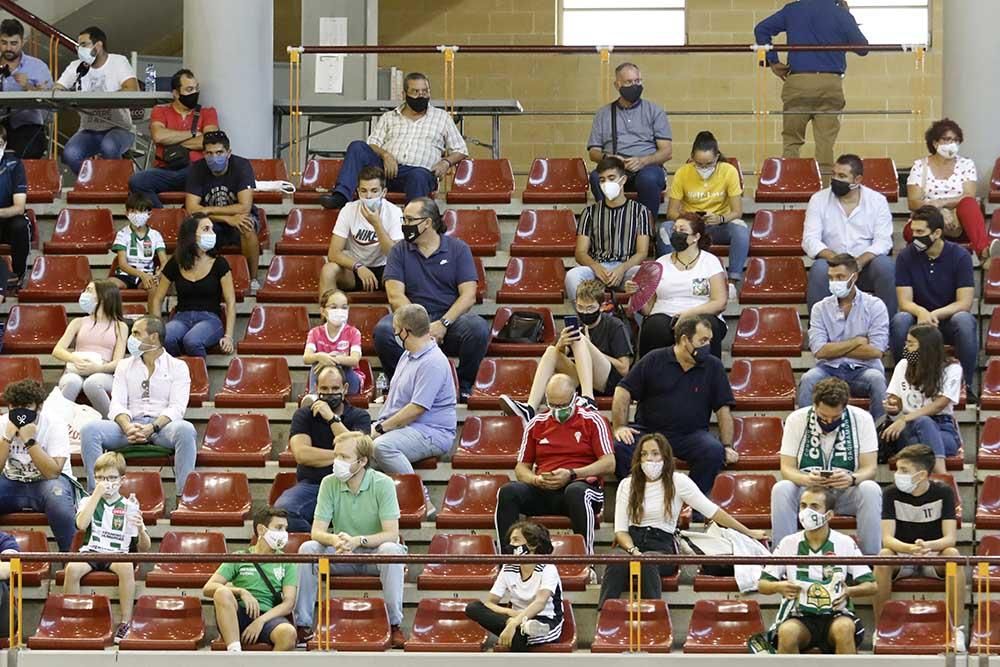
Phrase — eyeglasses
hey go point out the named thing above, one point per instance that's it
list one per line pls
(116, 478)
(561, 407)
(215, 137)
(145, 388)
(412, 221)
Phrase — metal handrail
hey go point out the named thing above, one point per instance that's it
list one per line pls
(38, 23)
(589, 50)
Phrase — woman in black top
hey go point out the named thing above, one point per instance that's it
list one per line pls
(203, 282)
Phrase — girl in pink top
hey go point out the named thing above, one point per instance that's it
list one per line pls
(335, 342)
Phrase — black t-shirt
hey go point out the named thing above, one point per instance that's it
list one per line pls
(221, 190)
(673, 402)
(919, 517)
(611, 336)
(13, 180)
(200, 295)
(305, 423)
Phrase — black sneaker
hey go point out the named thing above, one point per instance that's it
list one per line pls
(332, 200)
(122, 631)
(971, 397)
(303, 636)
(516, 408)
(589, 402)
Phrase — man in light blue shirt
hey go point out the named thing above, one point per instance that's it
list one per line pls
(848, 334)
(20, 72)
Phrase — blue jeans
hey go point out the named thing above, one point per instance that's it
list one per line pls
(110, 145)
(152, 182)
(701, 450)
(864, 381)
(578, 274)
(55, 497)
(938, 433)
(734, 234)
(960, 330)
(300, 503)
(414, 181)
(101, 436)
(192, 332)
(649, 183)
(467, 338)
(878, 278)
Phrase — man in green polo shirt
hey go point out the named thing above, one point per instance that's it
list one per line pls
(356, 512)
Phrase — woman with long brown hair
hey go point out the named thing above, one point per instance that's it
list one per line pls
(647, 507)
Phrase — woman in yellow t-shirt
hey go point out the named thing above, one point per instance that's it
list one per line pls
(710, 186)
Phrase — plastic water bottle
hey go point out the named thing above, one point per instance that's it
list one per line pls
(381, 387)
(150, 78)
(132, 511)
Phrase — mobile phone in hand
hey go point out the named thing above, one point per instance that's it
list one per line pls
(572, 322)
(826, 473)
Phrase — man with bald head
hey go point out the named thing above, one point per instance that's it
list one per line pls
(565, 453)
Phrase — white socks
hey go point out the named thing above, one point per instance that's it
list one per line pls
(234, 648)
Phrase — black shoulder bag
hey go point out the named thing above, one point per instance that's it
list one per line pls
(178, 157)
(522, 327)
(275, 598)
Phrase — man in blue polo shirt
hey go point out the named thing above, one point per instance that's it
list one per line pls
(20, 72)
(678, 388)
(437, 272)
(935, 285)
(14, 228)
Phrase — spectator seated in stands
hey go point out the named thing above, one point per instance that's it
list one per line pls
(8, 547)
(693, 282)
(596, 355)
(363, 235)
(612, 236)
(356, 512)
(178, 130)
(221, 186)
(105, 133)
(949, 182)
(925, 388)
(850, 218)
(817, 610)
(254, 601)
(936, 285)
(204, 281)
(709, 186)
(34, 452)
(648, 505)
(848, 334)
(149, 396)
(138, 247)
(534, 592)
(438, 273)
(678, 388)
(918, 518)
(334, 343)
(111, 525)
(15, 230)
(419, 418)
(565, 454)
(415, 144)
(310, 439)
(25, 127)
(833, 445)
(98, 345)
(637, 132)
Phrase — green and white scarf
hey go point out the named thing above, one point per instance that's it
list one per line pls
(845, 453)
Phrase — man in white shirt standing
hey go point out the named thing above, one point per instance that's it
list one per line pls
(106, 133)
(848, 217)
(149, 396)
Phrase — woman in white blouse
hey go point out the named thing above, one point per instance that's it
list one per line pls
(925, 388)
(647, 507)
(948, 182)
(693, 282)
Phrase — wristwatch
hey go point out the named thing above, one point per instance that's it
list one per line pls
(446, 322)
(156, 427)
(364, 541)
(333, 420)
(854, 480)
(28, 444)
(572, 475)
(379, 429)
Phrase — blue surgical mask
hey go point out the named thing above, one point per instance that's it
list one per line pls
(217, 163)
(206, 241)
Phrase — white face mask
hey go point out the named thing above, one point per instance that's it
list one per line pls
(86, 54)
(611, 189)
(372, 204)
(134, 346)
(811, 519)
(947, 151)
(138, 218)
(337, 316)
(342, 470)
(904, 482)
(276, 539)
(705, 172)
(840, 288)
(206, 241)
(652, 469)
(88, 302)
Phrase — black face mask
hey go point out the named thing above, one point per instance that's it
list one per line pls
(830, 427)
(190, 100)
(679, 241)
(21, 417)
(911, 357)
(631, 94)
(589, 319)
(922, 243)
(702, 353)
(418, 104)
(333, 400)
(411, 232)
(840, 188)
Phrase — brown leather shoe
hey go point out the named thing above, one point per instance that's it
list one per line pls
(397, 639)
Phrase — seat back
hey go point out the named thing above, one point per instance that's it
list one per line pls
(44, 182)
(556, 180)
(574, 577)
(410, 496)
(199, 380)
(758, 437)
(56, 278)
(364, 318)
(292, 278)
(82, 230)
(216, 492)
(187, 542)
(762, 384)
(545, 232)
(357, 624)
(73, 622)
(307, 232)
(470, 500)
(777, 233)
(747, 497)
(276, 330)
(441, 625)
(238, 433)
(13, 369)
(788, 180)
(768, 331)
(612, 632)
(479, 229)
(533, 280)
(774, 280)
(320, 173)
(502, 376)
(482, 181)
(256, 382)
(102, 181)
(723, 626)
(148, 489)
(488, 441)
(283, 481)
(167, 221)
(162, 622)
(909, 627)
(34, 328)
(881, 176)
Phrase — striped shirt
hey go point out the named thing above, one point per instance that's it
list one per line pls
(109, 531)
(520, 593)
(613, 231)
(421, 142)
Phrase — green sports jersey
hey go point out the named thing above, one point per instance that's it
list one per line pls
(245, 575)
(108, 531)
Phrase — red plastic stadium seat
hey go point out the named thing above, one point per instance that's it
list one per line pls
(44, 182)
(763, 384)
(501, 376)
(319, 176)
(990, 399)
(545, 233)
(774, 280)
(32, 540)
(768, 331)
(367, 391)
(989, 445)
(282, 482)
(470, 501)
(307, 232)
(410, 495)
(56, 278)
(500, 318)
(994, 183)
(746, 497)
(74, 623)
(441, 625)
(488, 442)
(13, 369)
(199, 380)
(292, 278)
(482, 181)
(356, 624)
(787, 180)
(479, 229)
(722, 626)
(989, 545)
(93, 578)
(910, 627)
(985, 639)
(777, 233)
(612, 632)
(101, 181)
(255, 382)
(880, 175)
(993, 332)
(988, 509)
(457, 577)
(268, 169)
(556, 181)
(276, 330)
(240, 271)
(213, 499)
(148, 489)
(34, 329)
(758, 441)
(991, 288)
(88, 231)
(165, 623)
(186, 575)
(364, 318)
(167, 221)
(573, 577)
(533, 280)
(236, 440)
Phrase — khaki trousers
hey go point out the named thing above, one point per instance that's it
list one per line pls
(812, 92)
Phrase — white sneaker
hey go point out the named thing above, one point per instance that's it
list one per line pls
(732, 292)
(592, 577)
(995, 248)
(959, 639)
(532, 628)
(254, 286)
